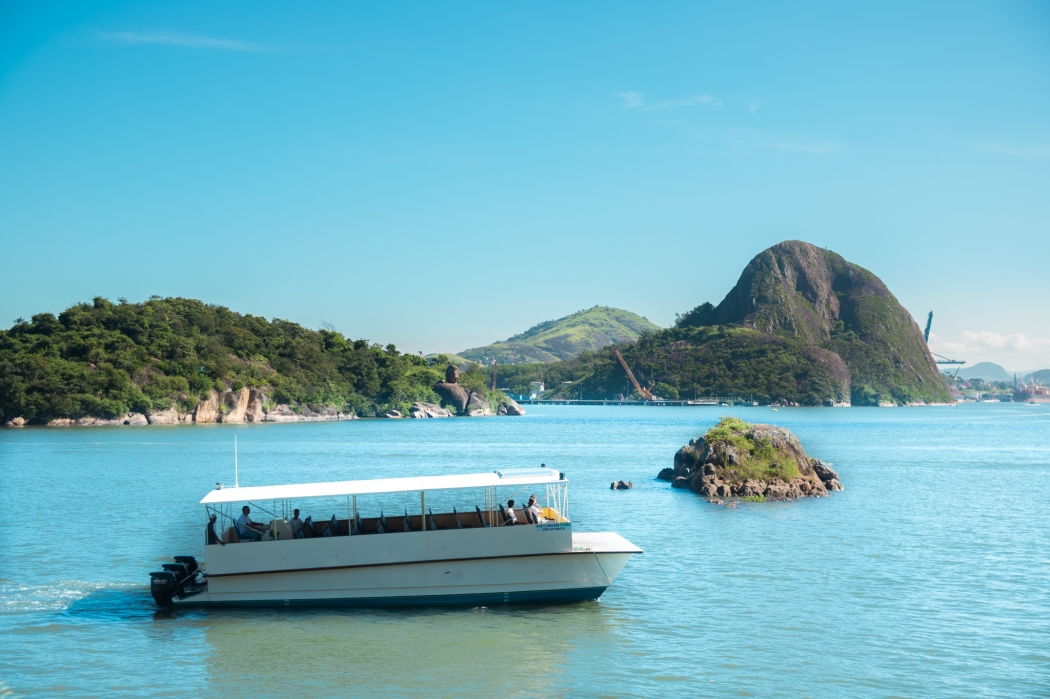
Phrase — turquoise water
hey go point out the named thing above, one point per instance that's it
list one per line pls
(928, 577)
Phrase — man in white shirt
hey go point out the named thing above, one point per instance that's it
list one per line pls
(295, 523)
(246, 528)
(511, 517)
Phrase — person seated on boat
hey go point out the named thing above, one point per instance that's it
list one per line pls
(295, 523)
(211, 537)
(247, 530)
(511, 517)
(535, 510)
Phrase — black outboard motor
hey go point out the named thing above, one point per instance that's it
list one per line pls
(177, 580)
(189, 561)
(163, 586)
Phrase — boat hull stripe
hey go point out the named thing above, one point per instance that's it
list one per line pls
(467, 600)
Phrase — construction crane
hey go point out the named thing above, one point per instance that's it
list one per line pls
(938, 358)
(646, 393)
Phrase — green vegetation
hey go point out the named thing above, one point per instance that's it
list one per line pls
(105, 359)
(565, 338)
(690, 363)
(816, 297)
(759, 460)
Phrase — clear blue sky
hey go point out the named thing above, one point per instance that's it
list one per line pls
(442, 175)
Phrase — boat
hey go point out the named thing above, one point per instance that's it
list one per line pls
(365, 556)
(1031, 393)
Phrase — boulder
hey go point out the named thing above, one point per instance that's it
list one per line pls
(393, 414)
(452, 374)
(680, 482)
(427, 410)
(164, 417)
(17, 422)
(208, 409)
(512, 408)
(824, 471)
(477, 406)
(453, 396)
(621, 485)
(833, 484)
(666, 474)
(134, 419)
(60, 422)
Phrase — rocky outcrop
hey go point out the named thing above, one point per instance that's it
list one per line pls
(284, 413)
(511, 407)
(236, 404)
(245, 405)
(453, 396)
(478, 406)
(126, 419)
(737, 459)
(621, 485)
(208, 409)
(164, 417)
(393, 414)
(255, 410)
(428, 410)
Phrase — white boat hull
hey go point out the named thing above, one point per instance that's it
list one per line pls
(503, 565)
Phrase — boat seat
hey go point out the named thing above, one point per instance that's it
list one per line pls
(481, 517)
(230, 536)
(434, 526)
(381, 524)
(459, 525)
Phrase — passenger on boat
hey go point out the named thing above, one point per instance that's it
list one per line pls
(211, 537)
(511, 518)
(247, 530)
(295, 523)
(534, 510)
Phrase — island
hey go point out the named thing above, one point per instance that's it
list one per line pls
(755, 462)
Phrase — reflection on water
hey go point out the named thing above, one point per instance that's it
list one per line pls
(470, 653)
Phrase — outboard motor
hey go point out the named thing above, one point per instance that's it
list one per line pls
(189, 561)
(163, 586)
(177, 580)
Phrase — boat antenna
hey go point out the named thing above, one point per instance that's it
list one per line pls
(236, 479)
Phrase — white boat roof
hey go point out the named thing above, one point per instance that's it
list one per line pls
(298, 491)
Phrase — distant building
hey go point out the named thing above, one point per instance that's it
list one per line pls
(536, 388)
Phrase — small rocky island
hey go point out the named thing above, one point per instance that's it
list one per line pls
(755, 462)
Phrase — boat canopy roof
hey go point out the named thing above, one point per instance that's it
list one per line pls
(298, 491)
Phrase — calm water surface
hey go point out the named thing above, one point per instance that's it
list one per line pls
(928, 577)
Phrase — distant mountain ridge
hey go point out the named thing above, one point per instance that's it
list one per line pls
(565, 338)
(986, 371)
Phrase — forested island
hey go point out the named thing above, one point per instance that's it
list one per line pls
(181, 360)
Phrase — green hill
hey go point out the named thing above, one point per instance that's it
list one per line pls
(103, 359)
(802, 324)
(565, 338)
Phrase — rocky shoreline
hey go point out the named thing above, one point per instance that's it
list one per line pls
(741, 460)
(252, 405)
